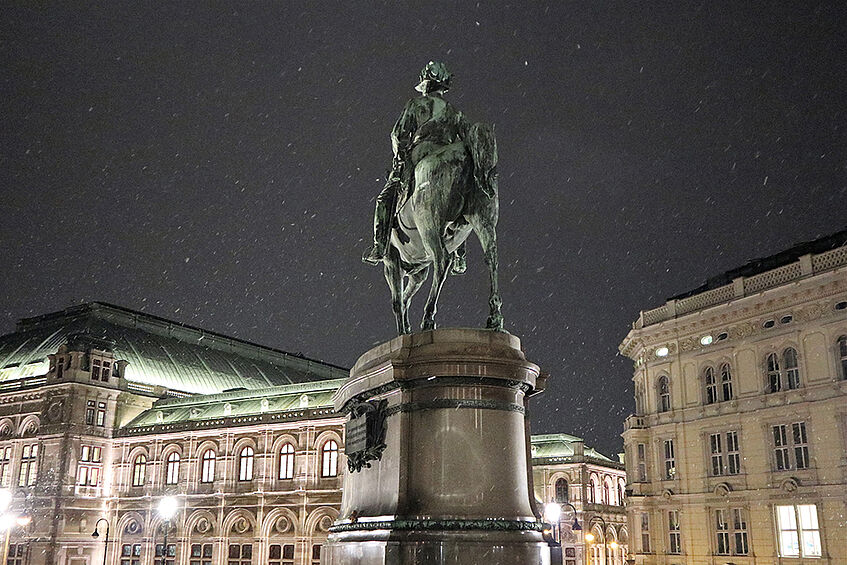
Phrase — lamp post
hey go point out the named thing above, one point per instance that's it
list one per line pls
(95, 534)
(9, 520)
(589, 537)
(167, 510)
(552, 513)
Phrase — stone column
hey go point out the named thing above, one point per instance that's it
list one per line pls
(450, 485)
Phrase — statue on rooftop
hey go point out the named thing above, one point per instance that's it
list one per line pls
(442, 186)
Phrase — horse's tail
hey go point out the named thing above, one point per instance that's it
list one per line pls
(483, 147)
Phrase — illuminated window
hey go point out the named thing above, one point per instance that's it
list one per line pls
(674, 533)
(286, 462)
(201, 554)
(29, 466)
(329, 459)
(799, 534)
(89, 467)
(90, 412)
(842, 355)
(664, 392)
(245, 464)
(172, 469)
(561, 489)
(711, 385)
(5, 465)
(101, 414)
(131, 554)
(207, 469)
(240, 554)
(139, 470)
(281, 554)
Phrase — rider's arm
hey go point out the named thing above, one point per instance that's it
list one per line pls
(404, 131)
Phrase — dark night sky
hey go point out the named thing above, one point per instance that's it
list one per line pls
(218, 165)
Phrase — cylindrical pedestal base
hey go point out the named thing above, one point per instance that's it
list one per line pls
(437, 452)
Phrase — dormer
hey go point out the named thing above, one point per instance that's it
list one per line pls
(85, 358)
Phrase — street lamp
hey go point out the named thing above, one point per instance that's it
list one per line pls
(8, 520)
(95, 534)
(589, 537)
(552, 513)
(167, 509)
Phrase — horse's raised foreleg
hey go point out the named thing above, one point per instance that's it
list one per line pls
(488, 239)
(394, 278)
(441, 266)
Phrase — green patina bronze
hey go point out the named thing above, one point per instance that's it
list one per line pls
(493, 525)
(442, 187)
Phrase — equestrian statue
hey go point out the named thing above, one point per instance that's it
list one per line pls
(442, 186)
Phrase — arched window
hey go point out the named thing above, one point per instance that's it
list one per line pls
(772, 363)
(711, 385)
(139, 470)
(245, 464)
(664, 391)
(593, 489)
(726, 382)
(792, 370)
(621, 491)
(561, 489)
(842, 355)
(639, 399)
(329, 459)
(608, 491)
(172, 469)
(286, 462)
(207, 466)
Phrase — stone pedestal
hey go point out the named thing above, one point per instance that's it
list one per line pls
(451, 485)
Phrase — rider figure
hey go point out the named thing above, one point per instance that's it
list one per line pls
(428, 123)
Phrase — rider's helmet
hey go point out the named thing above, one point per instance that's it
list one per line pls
(434, 76)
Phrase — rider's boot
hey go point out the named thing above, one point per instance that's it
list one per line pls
(375, 254)
(382, 219)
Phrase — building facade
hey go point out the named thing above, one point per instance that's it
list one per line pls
(737, 452)
(566, 472)
(105, 412)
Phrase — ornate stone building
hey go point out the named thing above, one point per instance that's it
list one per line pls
(565, 471)
(105, 411)
(737, 452)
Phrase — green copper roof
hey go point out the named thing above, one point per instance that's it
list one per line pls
(561, 446)
(160, 352)
(236, 405)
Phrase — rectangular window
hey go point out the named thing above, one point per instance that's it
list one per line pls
(645, 532)
(733, 454)
(670, 460)
(201, 554)
(722, 529)
(791, 451)
(5, 465)
(739, 527)
(95, 369)
(642, 462)
(101, 414)
(716, 450)
(89, 413)
(131, 554)
(29, 466)
(799, 534)
(801, 445)
(780, 447)
(281, 554)
(170, 559)
(240, 554)
(17, 554)
(316, 554)
(674, 533)
(106, 368)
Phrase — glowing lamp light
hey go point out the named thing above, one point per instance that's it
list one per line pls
(7, 521)
(706, 340)
(23, 521)
(613, 544)
(5, 499)
(167, 507)
(662, 351)
(589, 537)
(552, 512)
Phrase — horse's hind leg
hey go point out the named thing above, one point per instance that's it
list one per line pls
(441, 266)
(394, 278)
(488, 239)
(414, 282)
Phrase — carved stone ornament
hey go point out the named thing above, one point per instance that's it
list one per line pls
(241, 526)
(324, 524)
(132, 527)
(722, 489)
(365, 434)
(282, 525)
(667, 494)
(789, 485)
(202, 526)
(54, 411)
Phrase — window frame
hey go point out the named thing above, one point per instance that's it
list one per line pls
(172, 463)
(245, 463)
(285, 468)
(207, 465)
(139, 470)
(663, 394)
(329, 459)
(798, 529)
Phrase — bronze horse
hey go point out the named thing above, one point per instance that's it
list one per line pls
(455, 193)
